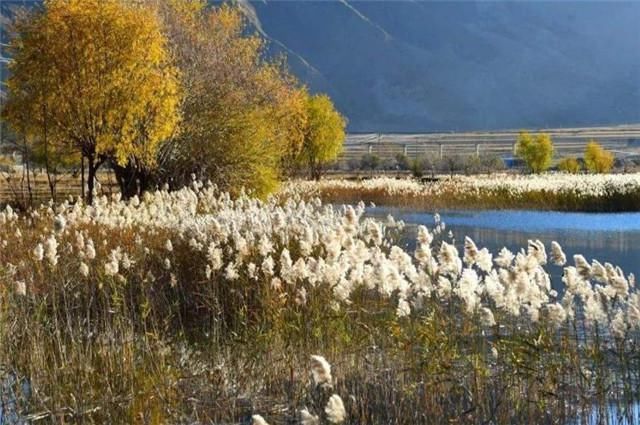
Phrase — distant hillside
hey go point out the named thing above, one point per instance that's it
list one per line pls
(421, 65)
(450, 65)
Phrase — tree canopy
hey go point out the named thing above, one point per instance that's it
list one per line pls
(324, 134)
(569, 165)
(535, 150)
(243, 111)
(162, 90)
(93, 77)
(597, 159)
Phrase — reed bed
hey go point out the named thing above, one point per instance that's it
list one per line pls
(192, 307)
(553, 191)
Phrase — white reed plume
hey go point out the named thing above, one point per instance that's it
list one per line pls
(90, 250)
(504, 258)
(21, 288)
(557, 255)
(537, 250)
(231, 272)
(467, 289)
(557, 314)
(258, 420)
(599, 272)
(424, 236)
(449, 259)
(470, 251)
(51, 250)
(306, 418)
(582, 266)
(214, 256)
(111, 267)
(126, 261)
(83, 269)
(321, 371)
(38, 252)
(618, 325)
(404, 309)
(336, 413)
(486, 317)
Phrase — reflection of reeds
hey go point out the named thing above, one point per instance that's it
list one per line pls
(192, 307)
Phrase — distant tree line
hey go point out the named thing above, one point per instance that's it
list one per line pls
(533, 151)
(161, 91)
(425, 165)
(537, 153)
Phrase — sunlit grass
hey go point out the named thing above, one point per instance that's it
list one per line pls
(561, 192)
(193, 307)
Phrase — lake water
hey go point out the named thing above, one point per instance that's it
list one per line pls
(606, 237)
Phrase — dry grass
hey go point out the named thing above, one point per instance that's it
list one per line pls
(158, 344)
(460, 193)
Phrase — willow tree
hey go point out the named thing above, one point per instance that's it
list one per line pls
(324, 135)
(535, 150)
(96, 74)
(597, 159)
(243, 112)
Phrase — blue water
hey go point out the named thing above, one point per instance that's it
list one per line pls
(536, 221)
(606, 237)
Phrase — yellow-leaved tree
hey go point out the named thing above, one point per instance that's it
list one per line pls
(569, 165)
(535, 150)
(94, 78)
(324, 135)
(243, 112)
(597, 159)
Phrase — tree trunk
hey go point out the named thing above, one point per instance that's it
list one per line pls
(127, 178)
(92, 168)
(50, 179)
(27, 163)
(145, 179)
(82, 175)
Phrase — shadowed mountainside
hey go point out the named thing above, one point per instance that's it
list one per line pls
(413, 66)
(423, 66)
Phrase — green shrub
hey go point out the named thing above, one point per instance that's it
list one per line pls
(403, 162)
(370, 161)
(491, 162)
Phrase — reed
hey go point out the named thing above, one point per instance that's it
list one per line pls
(194, 307)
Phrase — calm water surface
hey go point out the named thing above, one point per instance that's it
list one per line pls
(607, 237)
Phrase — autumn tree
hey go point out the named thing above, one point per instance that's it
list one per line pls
(535, 150)
(324, 135)
(597, 159)
(243, 112)
(569, 165)
(93, 78)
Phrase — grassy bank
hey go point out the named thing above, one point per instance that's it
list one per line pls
(559, 192)
(192, 307)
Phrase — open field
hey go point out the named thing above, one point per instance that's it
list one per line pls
(624, 141)
(193, 307)
(553, 191)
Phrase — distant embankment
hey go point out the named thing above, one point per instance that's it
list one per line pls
(623, 140)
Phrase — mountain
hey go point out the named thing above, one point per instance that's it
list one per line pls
(411, 66)
(431, 65)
